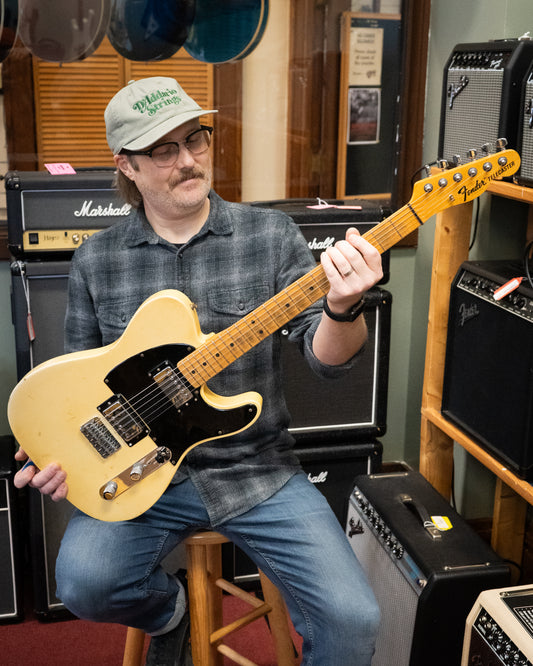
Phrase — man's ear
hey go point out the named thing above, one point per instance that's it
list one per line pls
(123, 163)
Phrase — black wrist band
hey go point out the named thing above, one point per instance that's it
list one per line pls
(351, 315)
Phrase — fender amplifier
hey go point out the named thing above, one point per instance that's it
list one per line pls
(323, 224)
(481, 95)
(487, 388)
(525, 135)
(424, 563)
(51, 215)
(499, 628)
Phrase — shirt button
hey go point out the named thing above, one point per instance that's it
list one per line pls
(123, 317)
(241, 305)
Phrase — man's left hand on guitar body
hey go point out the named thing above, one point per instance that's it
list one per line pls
(48, 481)
(352, 266)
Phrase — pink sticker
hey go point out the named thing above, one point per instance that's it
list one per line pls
(59, 168)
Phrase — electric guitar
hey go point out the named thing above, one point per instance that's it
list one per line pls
(120, 419)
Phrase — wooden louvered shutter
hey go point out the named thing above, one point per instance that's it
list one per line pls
(70, 100)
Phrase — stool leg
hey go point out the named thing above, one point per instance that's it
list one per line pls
(279, 623)
(205, 601)
(134, 647)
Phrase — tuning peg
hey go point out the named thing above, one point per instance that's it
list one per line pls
(457, 159)
(486, 148)
(501, 144)
(472, 153)
(442, 164)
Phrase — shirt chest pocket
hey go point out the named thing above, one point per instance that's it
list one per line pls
(113, 317)
(231, 304)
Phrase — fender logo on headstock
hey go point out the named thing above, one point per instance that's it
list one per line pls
(481, 184)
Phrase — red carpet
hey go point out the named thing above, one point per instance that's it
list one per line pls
(80, 643)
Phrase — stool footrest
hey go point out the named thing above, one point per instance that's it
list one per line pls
(242, 621)
(239, 592)
(235, 656)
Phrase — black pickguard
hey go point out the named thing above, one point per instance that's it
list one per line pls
(195, 421)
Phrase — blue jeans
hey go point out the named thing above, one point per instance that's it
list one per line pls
(110, 572)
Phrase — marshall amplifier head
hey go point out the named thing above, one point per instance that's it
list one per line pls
(481, 93)
(499, 628)
(51, 215)
(324, 223)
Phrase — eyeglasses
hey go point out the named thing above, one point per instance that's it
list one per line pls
(166, 154)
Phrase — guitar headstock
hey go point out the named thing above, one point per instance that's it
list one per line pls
(465, 182)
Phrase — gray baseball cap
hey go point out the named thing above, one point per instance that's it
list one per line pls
(145, 110)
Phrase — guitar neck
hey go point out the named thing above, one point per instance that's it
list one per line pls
(227, 346)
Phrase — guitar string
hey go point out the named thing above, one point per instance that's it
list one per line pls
(152, 401)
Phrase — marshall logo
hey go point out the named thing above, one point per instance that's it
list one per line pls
(467, 312)
(315, 244)
(88, 210)
(319, 478)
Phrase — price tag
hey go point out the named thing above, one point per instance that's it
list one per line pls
(59, 168)
(442, 523)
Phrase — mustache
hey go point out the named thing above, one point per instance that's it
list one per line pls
(187, 174)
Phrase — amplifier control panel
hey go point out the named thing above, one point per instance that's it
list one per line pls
(499, 628)
(370, 519)
(518, 301)
(55, 240)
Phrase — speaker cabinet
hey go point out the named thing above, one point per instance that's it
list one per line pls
(425, 579)
(487, 389)
(11, 564)
(353, 406)
(482, 86)
(40, 288)
(332, 468)
(499, 628)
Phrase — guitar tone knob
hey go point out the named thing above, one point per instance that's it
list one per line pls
(110, 490)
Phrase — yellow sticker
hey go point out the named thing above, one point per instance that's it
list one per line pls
(441, 523)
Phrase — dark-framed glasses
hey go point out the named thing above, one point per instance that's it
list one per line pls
(166, 154)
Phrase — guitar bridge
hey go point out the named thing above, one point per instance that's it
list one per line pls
(104, 442)
(122, 417)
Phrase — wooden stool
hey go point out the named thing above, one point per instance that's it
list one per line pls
(206, 588)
